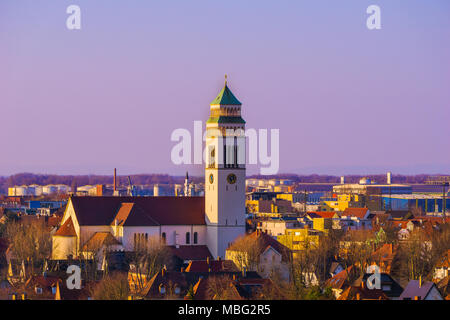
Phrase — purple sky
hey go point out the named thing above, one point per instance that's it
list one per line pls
(346, 99)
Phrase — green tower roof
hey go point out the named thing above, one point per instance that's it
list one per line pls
(226, 97)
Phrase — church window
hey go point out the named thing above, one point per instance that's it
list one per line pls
(195, 237)
(188, 237)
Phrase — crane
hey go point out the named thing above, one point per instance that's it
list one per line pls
(131, 189)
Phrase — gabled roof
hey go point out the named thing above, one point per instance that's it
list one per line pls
(340, 280)
(42, 281)
(94, 211)
(98, 240)
(414, 289)
(226, 97)
(355, 212)
(400, 214)
(394, 291)
(168, 279)
(67, 229)
(202, 290)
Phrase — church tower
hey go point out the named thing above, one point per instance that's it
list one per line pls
(224, 172)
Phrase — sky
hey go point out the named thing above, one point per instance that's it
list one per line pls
(346, 99)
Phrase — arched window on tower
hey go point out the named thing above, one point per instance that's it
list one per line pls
(188, 237)
(195, 237)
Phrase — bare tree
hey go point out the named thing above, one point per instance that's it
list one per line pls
(146, 260)
(30, 242)
(221, 288)
(112, 287)
(247, 251)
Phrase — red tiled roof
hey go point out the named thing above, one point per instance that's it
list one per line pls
(341, 279)
(42, 281)
(93, 211)
(322, 214)
(355, 212)
(67, 229)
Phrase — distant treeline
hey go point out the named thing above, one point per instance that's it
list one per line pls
(149, 179)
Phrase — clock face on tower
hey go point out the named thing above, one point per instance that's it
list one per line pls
(211, 178)
(231, 178)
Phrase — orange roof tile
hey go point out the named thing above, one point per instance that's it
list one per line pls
(355, 212)
(100, 239)
(67, 229)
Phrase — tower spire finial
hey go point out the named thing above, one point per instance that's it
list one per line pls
(225, 79)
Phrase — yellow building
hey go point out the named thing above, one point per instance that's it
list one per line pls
(298, 239)
(343, 202)
(292, 197)
(322, 224)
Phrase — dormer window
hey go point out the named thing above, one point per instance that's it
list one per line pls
(177, 290)
(54, 290)
(38, 290)
(162, 289)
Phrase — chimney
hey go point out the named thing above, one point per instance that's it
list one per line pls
(389, 177)
(115, 180)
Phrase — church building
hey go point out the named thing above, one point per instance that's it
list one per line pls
(195, 226)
